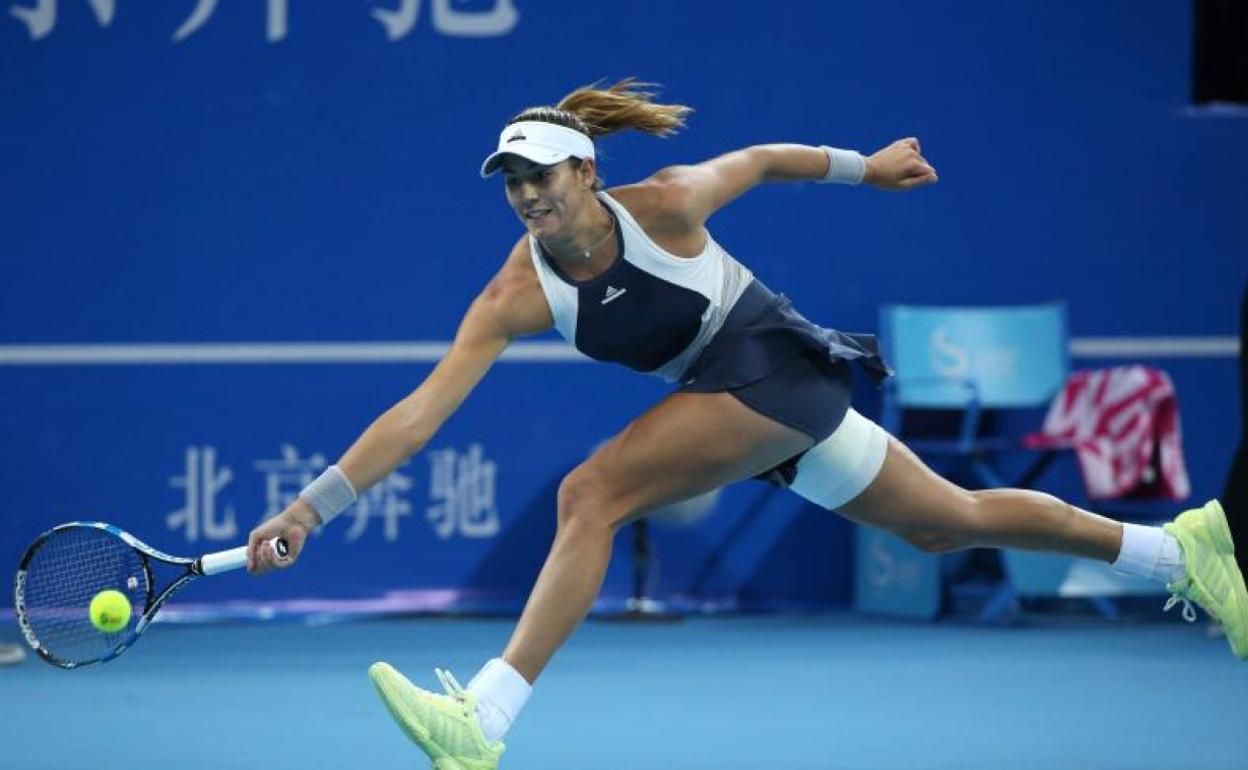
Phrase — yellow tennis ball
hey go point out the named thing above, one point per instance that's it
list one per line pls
(110, 611)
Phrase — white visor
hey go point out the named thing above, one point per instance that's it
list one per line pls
(543, 143)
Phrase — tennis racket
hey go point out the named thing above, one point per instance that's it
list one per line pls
(69, 564)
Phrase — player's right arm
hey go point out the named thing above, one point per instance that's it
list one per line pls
(511, 305)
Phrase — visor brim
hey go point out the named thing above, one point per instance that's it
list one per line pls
(539, 154)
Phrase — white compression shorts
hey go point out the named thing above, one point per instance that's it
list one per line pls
(839, 468)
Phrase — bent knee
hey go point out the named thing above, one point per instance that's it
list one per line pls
(958, 525)
(965, 523)
(936, 542)
(586, 497)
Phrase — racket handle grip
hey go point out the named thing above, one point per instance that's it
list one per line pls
(236, 558)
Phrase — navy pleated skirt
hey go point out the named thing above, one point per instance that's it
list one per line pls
(781, 365)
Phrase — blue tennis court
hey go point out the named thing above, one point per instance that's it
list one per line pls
(817, 691)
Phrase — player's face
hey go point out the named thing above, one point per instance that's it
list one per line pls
(546, 198)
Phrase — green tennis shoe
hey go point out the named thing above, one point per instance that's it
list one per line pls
(1211, 577)
(444, 726)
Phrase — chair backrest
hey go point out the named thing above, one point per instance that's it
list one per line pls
(1012, 356)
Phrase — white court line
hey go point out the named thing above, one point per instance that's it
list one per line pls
(266, 353)
(1154, 347)
(526, 352)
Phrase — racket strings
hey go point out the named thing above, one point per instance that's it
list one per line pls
(63, 576)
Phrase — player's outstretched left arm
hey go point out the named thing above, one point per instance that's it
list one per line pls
(510, 306)
(701, 190)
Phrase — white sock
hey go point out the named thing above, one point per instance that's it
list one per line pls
(501, 692)
(1149, 552)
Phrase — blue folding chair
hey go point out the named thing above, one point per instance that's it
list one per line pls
(972, 359)
(957, 362)
(967, 361)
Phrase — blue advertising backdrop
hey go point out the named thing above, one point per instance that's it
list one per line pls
(191, 173)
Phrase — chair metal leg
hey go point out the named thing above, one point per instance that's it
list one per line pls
(1003, 602)
(1036, 469)
(1105, 606)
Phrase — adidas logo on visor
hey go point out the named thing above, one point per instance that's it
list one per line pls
(517, 137)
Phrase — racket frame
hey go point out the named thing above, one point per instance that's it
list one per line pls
(194, 568)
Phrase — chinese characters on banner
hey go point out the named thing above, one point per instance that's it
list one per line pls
(462, 498)
(385, 500)
(203, 481)
(464, 486)
(285, 476)
(397, 20)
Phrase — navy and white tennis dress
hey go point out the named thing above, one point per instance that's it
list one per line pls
(707, 324)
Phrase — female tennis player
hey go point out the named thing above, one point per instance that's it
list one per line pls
(632, 275)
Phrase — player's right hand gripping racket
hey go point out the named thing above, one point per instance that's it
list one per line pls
(69, 564)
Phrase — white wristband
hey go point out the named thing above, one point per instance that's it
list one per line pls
(330, 494)
(844, 166)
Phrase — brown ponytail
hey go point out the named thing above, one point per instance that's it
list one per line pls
(627, 104)
(596, 111)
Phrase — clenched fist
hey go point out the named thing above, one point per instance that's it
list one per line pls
(899, 166)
